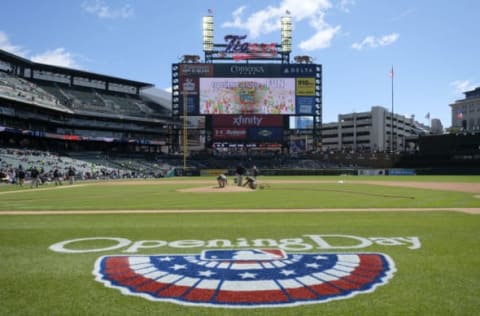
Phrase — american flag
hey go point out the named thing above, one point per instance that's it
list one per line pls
(245, 278)
(460, 115)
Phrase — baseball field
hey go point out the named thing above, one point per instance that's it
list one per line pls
(318, 245)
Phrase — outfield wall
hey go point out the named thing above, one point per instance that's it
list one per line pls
(333, 172)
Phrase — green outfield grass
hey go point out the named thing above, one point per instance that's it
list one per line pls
(439, 278)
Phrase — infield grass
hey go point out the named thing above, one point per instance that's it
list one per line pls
(440, 278)
(164, 194)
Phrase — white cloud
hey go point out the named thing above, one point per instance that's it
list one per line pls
(388, 39)
(237, 19)
(321, 39)
(103, 11)
(373, 42)
(461, 86)
(57, 57)
(9, 47)
(402, 15)
(345, 5)
(267, 20)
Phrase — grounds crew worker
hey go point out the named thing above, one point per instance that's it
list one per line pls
(222, 181)
(251, 182)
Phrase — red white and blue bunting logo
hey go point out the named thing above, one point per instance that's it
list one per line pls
(246, 278)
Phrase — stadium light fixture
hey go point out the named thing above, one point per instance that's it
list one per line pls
(208, 33)
(286, 33)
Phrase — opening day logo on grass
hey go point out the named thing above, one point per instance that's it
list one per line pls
(250, 277)
(245, 278)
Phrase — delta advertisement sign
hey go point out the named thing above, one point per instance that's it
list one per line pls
(243, 273)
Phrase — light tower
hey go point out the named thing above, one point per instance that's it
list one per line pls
(208, 37)
(286, 37)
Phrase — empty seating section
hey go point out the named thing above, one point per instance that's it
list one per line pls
(77, 99)
(52, 88)
(122, 103)
(25, 91)
(157, 108)
(84, 98)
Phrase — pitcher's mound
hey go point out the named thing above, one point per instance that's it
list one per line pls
(228, 188)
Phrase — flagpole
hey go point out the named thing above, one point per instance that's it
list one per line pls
(391, 125)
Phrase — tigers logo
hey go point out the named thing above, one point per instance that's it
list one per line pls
(246, 278)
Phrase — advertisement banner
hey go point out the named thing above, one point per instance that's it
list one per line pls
(265, 134)
(305, 86)
(265, 70)
(247, 121)
(188, 86)
(305, 105)
(248, 70)
(196, 70)
(192, 102)
(229, 134)
(301, 70)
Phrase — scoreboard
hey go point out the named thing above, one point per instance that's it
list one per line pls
(248, 102)
(211, 89)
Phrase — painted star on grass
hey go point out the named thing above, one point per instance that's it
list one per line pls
(313, 265)
(178, 267)
(207, 273)
(287, 272)
(168, 259)
(248, 275)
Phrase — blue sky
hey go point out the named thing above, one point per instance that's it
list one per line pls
(433, 45)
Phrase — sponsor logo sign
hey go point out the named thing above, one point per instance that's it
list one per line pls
(247, 70)
(267, 70)
(301, 69)
(189, 86)
(265, 134)
(305, 105)
(305, 86)
(229, 133)
(247, 121)
(196, 70)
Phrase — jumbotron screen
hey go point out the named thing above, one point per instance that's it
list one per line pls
(256, 89)
(247, 96)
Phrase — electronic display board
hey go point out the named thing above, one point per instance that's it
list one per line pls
(247, 96)
(263, 89)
